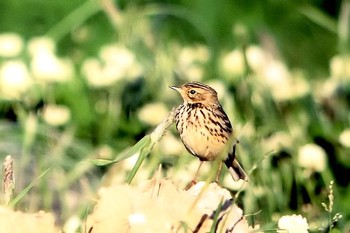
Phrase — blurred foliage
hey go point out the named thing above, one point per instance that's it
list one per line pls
(87, 73)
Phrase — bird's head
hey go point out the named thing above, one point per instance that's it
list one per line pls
(196, 92)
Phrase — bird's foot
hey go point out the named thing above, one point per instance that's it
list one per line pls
(189, 185)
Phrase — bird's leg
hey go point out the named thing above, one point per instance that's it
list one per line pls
(194, 180)
(197, 172)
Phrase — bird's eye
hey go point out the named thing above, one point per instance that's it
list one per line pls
(192, 92)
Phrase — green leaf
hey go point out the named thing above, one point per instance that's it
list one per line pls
(144, 152)
(216, 218)
(133, 150)
(320, 18)
(14, 201)
(124, 155)
(101, 162)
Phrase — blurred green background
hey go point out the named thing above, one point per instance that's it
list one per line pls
(82, 80)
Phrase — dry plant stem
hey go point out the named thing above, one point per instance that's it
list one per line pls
(157, 183)
(112, 12)
(9, 179)
(160, 130)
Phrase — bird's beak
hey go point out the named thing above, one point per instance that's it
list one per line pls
(176, 88)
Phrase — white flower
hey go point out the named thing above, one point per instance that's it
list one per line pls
(136, 219)
(278, 141)
(293, 224)
(117, 55)
(11, 44)
(121, 60)
(153, 113)
(256, 58)
(340, 67)
(191, 60)
(72, 225)
(92, 70)
(277, 78)
(56, 115)
(195, 54)
(194, 72)
(47, 67)
(284, 85)
(171, 145)
(39, 45)
(116, 63)
(208, 199)
(313, 157)
(344, 138)
(233, 63)
(14, 79)
(276, 73)
(219, 87)
(325, 88)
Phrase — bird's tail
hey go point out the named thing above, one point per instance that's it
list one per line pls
(234, 167)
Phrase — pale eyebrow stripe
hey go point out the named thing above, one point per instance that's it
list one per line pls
(200, 85)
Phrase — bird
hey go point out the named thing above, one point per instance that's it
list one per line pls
(205, 129)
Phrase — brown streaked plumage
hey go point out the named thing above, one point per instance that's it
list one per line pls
(204, 127)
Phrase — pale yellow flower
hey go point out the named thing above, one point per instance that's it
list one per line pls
(325, 89)
(277, 141)
(276, 73)
(277, 78)
(135, 219)
(153, 113)
(116, 63)
(39, 222)
(191, 60)
(194, 72)
(121, 60)
(158, 205)
(56, 115)
(293, 224)
(195, 54)
(39, 45)
(45, 66)
(219, 86)
(48, 68)
(92, 71)
(344, 138)
(256, 58)
(313, 157)
(170, 145)
(72, 225)
(283, 84)
(11, 44)
(233, 64)
(14, 79)
(340, 67)
(117, 54)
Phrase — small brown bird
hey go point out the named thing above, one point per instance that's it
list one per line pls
(204, 127)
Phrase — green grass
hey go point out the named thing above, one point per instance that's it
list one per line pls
(307, 103)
